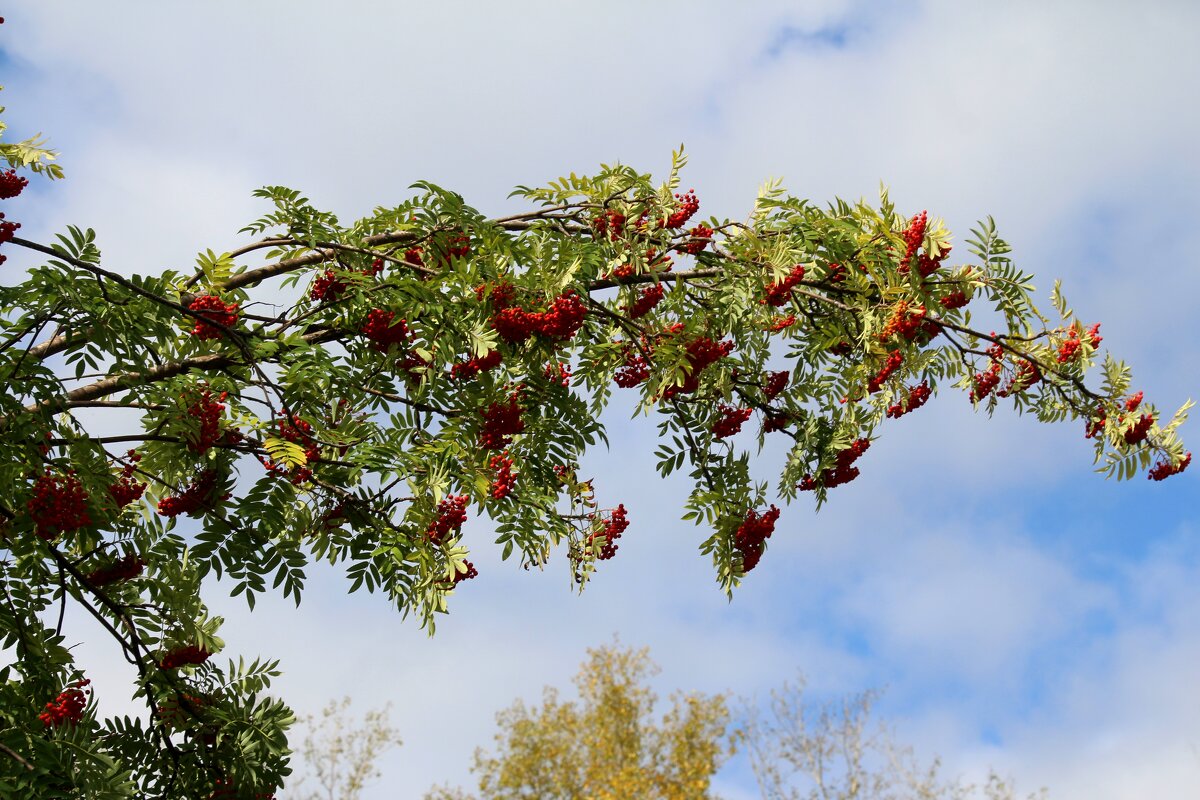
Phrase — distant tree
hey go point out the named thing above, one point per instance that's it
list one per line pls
(607, 745)
(835, 751)
(341, 754)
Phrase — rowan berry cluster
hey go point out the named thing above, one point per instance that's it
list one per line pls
(123, 569)
(560, 322)
(1069, 348)
(780, 292)
(1027, 375)
(731, 421)
(11, 184)
(913, 236)
(842, 471)
(701, 353)
(501, 466)
(1140, 429)
(413, 256)
(227, 789)
(688, 206)
(1165, 469)
(654, 263)
(7, 231)
(610, 531)
(212, 312)
(470, 573)
(751, 535)
(646, 301)
(465, 370)
(776, 383)
(58, 505)
(459, 246)
(775, 421)
(1096, 424)
(781, 323)
(68, 707)
(1133, 401)
(836, 273)
(297, 430)
(199, 497)
(891, 364)
(501, 421)
(701, 234)
(610, 223)
(384, 330)
(328, 288)
(917, 396)
(985, 382)
(906, 321)
(634, 371)
(558, 373)
(207, 411)
(956, 299)
(451, 514)
(188, 655)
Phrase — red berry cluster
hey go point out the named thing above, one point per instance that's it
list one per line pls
(58, 505)
(1095, 425)
(1069, 349)
(917, 396)
(731, 421)
(635, 369)
(558, 373)
(954, 300)
(413, 256)
(502, 483)
(780, 292)
(197, 498)
(471, 572)
(127, 490)
(836, 273)
(501, 421)
(913, 236)
(1165, 469)
(384, 330)
(775, 421)
(299, 431)
(1132, 403)
(123, 569)
(466, 370)
(841, 349)
(1140, 429)
(781, 323)
(610, 223)
(1027, 375)
(776, 383)
(68, 707)
(688, 206)
(613, 527)
(984, 383)
(701, 353)
(701, 234)
(459, 246)
(212, 312)
(653, 264)
(329, 287)
(560, 322)
(646, 301)
(451, 514)
(184, 656)
(751, 535)
(904, 321)
(208, 412)
(7, 231)
(890, 365)
(227, 789)
(11, 184)
(842, 471)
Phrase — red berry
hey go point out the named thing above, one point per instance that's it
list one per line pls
(11, 184)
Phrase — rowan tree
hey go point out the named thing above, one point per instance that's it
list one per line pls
(608, 745)
(356, 393)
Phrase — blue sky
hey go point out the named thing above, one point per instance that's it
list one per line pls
(1022, 612)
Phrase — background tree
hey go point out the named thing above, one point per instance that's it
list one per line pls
(607, 745)
(341, 753)
(836, 751)
(351, 398)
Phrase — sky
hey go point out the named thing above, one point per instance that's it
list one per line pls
(1020, 611)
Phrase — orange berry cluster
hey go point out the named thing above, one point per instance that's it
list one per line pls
(751, 535)
(68, 707)
(212, 312)
(780, 292)
(913, 236)
(451, 514)
(843, 470)
(187, 655)
(688, 206)
(58, 505)
(917, 396)
(123, 569)
(891, 364)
